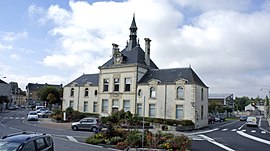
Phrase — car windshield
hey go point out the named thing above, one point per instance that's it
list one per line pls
(9, 146)
(32, 113)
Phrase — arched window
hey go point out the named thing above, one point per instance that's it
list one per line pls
(140, 93)
(86, 92)
(180, 92)
(152, 92)
(72, 92)
(95, 92)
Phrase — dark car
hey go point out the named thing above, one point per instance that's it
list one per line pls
(211, 119)
(89, 123)
(26, 141)
(243, 118)
(221, 118)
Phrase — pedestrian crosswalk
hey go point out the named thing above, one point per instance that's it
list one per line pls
(11, 117)
(243, 130)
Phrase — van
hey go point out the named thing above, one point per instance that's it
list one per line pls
(251, 121)
(40, 107)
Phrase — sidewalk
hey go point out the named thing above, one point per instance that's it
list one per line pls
(265, 125)
(48, 123)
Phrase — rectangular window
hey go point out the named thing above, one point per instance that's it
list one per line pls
(202, 112)
(126, 105)
(95, 107)
(114, 106)
(85, 106)
(179, 112)
(106, 85)
(116, 84)
(105, 104)
(71, 104)
(127, 84)
(152, 110)
(139, 109)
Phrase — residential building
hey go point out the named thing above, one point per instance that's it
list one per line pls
(225, 100)
(32, 92)
(4, 91)
(131, 81)
(18, 96)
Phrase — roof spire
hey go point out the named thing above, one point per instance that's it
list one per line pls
(133, 34)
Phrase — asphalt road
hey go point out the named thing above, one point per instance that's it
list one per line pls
(228, 136)
(15, 121)
(232, 136)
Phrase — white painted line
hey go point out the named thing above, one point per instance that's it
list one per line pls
(225, 129)
(263, 132)
(234, 130)
(244, 130)
(204, 131)
(11, 117)
(260, 120)
(17, 118)
(241, 126)
(253, 137)
(72, 139)
(216, 143)
(23, 118)
(253, 131)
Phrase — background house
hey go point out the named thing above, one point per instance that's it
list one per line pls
(32, 93)
(4, 92)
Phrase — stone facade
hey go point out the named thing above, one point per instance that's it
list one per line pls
(131, 81)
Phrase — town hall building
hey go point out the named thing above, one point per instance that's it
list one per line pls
(131, 81)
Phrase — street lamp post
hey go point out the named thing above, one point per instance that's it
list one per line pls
(143, 121)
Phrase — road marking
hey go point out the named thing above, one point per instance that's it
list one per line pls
(234, 130)
(253, 131)
(216, 143)
(263, 132)
(17, 118)
(204, 131)
(72, 139)
(225, 129)
(244, 130)
(241, 126)
(253, 137)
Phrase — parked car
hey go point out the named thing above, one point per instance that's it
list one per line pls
(251, 121)
(211, 119)
(32, 115)
(89, 123)
(217, 119)
(26, 141)
(221, 118)
(243, 118)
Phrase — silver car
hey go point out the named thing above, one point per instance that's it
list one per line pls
(89, 123)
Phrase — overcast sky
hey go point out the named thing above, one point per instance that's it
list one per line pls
(226, 42)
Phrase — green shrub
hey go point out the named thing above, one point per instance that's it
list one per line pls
(114, 140)
(94, 141)
(179, 143)
(187, 123)
(134, 138)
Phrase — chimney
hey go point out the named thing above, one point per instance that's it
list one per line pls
(147, 51)
(115, 49)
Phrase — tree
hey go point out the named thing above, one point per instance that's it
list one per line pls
(50, 94)
(241, 102)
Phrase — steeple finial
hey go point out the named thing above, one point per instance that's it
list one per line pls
(133, 34)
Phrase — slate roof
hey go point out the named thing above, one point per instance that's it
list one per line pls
(36, 86)
(1, 81)
(82, 80)
(134, 56)
(218, 96)
(169, 76)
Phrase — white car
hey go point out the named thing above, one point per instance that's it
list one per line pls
(32, 115)
(251, 121)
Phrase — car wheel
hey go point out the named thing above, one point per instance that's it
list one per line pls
(75, 128)
(94, 129)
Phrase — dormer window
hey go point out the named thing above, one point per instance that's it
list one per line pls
(152, 92)
(180, 92)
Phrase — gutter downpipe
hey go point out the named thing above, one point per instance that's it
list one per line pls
(78, 99)
(165, 108)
